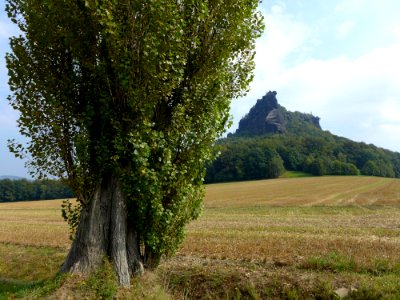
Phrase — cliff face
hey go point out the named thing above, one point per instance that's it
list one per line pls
(268, 117)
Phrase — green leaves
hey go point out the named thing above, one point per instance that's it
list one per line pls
(70, 213)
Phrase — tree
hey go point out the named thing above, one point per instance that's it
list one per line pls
(275, 167)
(370, 169)
(123, 100)
(315, 166)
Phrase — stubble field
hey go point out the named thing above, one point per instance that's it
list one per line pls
(286, 238)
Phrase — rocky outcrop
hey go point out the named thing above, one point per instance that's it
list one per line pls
(264, 117)
(275, 120)
(268, 117)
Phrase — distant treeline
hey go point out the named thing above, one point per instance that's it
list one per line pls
(248, 158)
(26, 190)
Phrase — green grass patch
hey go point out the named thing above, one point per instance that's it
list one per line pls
(29, 264)
(32, 273)
(295, 174)
(383, 266)
(10, 288)
(336, 263)
(29, 270)
(332, 262)
(103, 282)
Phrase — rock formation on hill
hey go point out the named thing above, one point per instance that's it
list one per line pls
(268, 117)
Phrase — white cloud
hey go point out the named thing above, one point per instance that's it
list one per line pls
(396, 31)
(358, 98)
(344, 29)
(389, 110)
(349, 6)
(283, 36)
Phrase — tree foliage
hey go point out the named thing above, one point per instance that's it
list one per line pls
(133, 93)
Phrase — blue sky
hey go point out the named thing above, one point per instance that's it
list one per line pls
(337, 59)
(9, 165)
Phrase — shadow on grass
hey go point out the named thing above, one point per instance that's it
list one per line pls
(10, 288)
(14, 288)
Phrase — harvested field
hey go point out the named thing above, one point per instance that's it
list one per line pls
(33, 223)
(271, 238)
(290, 235)
(308, 191)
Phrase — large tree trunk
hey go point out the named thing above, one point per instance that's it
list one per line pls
(103, 233)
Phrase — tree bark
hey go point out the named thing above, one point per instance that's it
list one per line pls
(103, 232)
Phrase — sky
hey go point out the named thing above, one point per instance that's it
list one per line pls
(336, 59)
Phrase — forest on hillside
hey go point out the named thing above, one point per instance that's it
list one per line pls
(248, 158)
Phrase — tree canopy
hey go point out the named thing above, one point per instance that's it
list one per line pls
(122, 99)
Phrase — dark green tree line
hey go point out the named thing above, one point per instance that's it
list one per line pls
(26, 190)
(245, 161)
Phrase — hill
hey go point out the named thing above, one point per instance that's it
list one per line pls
(270, 139)
(11, 177)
